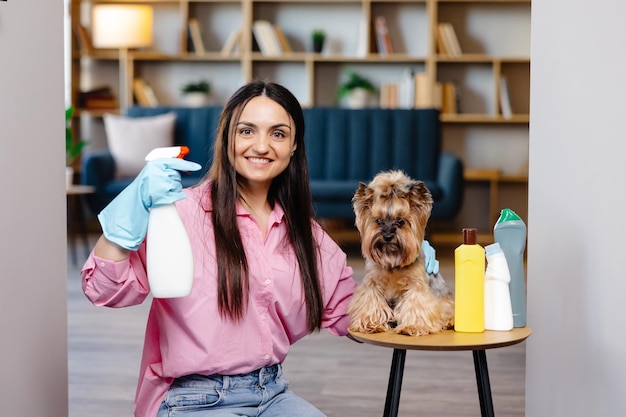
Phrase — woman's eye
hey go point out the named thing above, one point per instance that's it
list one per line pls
(278, 134)
(245, 131)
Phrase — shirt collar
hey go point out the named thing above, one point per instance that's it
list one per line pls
(206, 203)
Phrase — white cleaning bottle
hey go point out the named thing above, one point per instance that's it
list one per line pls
(498, 312)
(168, 250)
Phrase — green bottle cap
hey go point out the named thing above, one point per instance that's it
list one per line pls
(506, 215)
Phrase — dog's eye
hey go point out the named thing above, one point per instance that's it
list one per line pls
(379, 221)
(399, 223)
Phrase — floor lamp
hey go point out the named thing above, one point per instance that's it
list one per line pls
(122, 27)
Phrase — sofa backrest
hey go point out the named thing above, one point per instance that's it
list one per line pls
(356, 144)
(341, 144)
(195, 127)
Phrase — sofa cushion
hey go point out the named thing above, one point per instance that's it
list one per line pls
(130, 139)
(195, 127)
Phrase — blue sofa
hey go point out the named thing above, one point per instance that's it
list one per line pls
(344, 146)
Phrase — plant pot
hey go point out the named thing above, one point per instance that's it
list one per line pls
(318, 46)
(358, 98)
(196, 99)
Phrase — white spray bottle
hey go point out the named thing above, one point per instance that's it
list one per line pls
(168, 250)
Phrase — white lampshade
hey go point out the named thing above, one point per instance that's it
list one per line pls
(121, 26)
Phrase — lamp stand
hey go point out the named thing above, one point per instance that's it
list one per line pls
(125, 96)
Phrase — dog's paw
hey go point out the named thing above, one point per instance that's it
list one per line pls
(411, 330)
(369, 328)
(448, 324)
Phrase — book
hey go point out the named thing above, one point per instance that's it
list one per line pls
(83, 39)
(282, 39)
(448, 98)
(383, 97)
(389, 96)
(97, 98)
(232, 43)
(437, 95)
(144, 94)
(505, 101)
(362, 40)
(406, 89)
(452, 40)
(196, 36)
(266, 38)
(442, 44)
(383, 39)
(152, 98)
(139, 92)
(423, 91)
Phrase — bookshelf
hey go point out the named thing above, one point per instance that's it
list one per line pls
(494, 36)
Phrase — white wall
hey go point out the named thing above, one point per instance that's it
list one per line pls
(576, 358)
(33, 324)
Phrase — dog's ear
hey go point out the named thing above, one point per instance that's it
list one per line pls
(360, 199)
(360, 192)
(420, 197)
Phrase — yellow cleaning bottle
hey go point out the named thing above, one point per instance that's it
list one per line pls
(469, 285)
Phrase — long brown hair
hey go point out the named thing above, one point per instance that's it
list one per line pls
(290, 189)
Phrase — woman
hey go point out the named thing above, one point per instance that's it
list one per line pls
(273, 277)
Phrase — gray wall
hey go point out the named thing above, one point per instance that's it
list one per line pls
(576, 358)
(33, 324)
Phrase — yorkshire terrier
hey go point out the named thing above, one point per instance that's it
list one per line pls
(397, 293)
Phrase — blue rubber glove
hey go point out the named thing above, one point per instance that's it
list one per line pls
(430, 261)
(124, 220)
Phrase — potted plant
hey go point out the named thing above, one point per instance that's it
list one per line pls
(318, 37)
(196, 94)
(356, 91)
(72, 148)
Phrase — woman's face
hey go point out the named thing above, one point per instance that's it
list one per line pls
(264, 142)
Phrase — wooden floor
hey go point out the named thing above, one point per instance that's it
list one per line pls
(341, 377)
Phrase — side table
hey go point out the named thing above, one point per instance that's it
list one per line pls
(74, 194)
(447, 340)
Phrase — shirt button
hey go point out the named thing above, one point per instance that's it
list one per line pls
(267, 282)
(267, 356)
(102, 264)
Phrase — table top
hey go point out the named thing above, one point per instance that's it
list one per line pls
(446, 340)
(76, 189)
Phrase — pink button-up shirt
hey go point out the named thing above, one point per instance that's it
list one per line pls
(187, 335)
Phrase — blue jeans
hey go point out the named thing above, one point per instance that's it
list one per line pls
(262, 393)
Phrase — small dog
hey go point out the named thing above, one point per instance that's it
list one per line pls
(397, 293)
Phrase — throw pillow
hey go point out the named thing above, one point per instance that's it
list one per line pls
(131, 138)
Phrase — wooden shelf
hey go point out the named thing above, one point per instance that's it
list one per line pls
(313, 77)
(483, 118)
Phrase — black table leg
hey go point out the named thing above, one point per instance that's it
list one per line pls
(394, 387)
(484, 386)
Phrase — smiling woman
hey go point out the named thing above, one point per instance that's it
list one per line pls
(264, 276)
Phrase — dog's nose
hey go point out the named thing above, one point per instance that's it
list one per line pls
(387, 238)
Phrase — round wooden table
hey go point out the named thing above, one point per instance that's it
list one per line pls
(447, 340)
